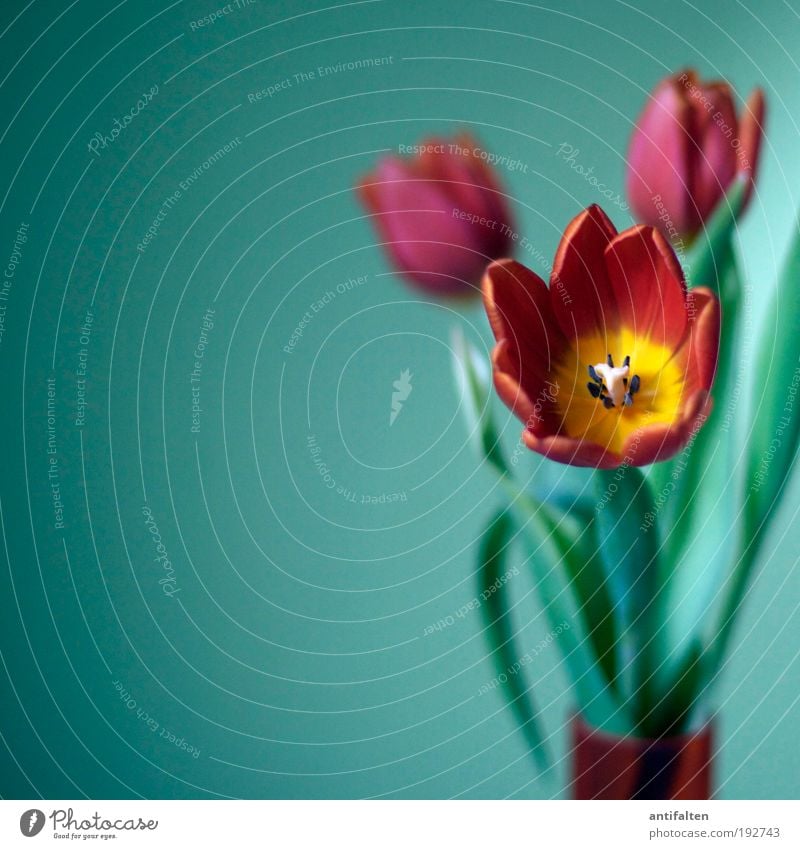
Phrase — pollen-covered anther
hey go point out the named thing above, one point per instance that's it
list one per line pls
(611, 384)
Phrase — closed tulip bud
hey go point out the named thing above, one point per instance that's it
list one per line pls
(440, 213)
(687, 148)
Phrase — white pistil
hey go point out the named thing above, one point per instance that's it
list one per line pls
(614, 379)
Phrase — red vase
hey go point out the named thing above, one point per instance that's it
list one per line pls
(607, 766)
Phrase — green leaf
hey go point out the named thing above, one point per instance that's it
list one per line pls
(673, 713)
(776, 400)
(698, 496)
(473, 377)
(556, 556)
(705, 464)
(774, 434)
(494, 588)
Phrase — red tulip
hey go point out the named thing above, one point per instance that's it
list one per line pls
(614, 362)
(686, 150)
(441, 214)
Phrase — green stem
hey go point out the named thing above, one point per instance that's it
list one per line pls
(630, 555)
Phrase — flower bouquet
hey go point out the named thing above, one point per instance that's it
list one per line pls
(629, 369)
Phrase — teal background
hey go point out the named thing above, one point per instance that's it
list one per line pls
(294, 654)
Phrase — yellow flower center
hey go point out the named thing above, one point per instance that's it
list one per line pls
(632, 382)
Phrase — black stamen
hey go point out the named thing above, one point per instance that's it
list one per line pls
(610, 361)
(607, 402)
(628, 399)
(635, 383)
(594, 375)
(626, 361)
(594, 390)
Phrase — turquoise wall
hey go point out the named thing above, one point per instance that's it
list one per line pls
(281, 641)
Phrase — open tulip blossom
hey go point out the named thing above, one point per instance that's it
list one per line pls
(688, 146)
(614, 362)
(441, 213)
(627, 369)
(613, 366)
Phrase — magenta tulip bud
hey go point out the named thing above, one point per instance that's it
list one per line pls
(687, 148)
(440, 213)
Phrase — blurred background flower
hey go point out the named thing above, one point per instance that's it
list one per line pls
(687, 147)
(441, 213)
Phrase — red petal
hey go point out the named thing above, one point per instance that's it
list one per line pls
(661, 158)
(648, 284)
(518, 305)
(435, 249)
(654, 443)
(574, 452)
(533, 403)
(702, 341)
(651, 444)
(580, 290)
(470, 190)
(715, 160)
(486, 176)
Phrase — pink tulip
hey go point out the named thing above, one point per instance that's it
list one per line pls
(440, 213)
(687, 148)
